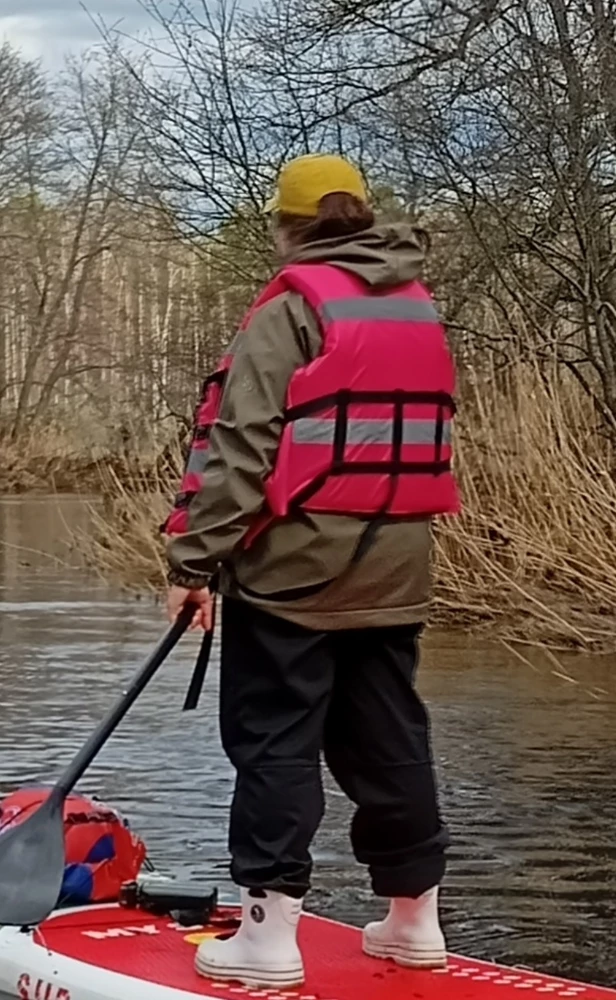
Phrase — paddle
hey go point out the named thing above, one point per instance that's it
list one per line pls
(32, 853)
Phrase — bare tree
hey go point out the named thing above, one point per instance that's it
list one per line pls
(535, 182)
(498, 121)
(100, 295)
(25, 118)
(210, 156)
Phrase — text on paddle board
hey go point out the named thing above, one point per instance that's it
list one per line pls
(144, 929)
(29, 988)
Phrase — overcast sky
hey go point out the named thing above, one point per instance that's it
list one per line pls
(49, 28)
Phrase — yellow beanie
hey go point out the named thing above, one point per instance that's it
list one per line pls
(304, 181)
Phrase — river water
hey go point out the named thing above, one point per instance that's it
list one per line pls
(526, 758)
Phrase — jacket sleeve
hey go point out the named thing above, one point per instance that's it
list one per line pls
(282, 337)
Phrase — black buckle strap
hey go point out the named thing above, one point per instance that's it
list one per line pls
(397, 429)
(392, 468)
(351, 396)
(341, 429)
(438, 435)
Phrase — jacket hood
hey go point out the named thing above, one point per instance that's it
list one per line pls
(382, 256)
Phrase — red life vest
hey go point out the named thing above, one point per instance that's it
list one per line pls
(368, 423)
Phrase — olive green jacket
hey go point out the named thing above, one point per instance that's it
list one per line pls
(390, 585)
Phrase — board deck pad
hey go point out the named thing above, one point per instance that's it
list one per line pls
(157, 950)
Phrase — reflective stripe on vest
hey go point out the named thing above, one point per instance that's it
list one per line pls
(390, 308)
(310, 430)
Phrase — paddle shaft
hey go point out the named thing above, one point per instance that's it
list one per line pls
(103, 731)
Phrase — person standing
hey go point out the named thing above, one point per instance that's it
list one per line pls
(322, 452)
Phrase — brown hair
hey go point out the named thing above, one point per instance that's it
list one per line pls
(339, 214)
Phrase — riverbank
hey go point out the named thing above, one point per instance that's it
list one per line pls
(59, 462)
(532, 559)
(40, 464)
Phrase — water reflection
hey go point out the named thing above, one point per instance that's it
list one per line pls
(526, 759)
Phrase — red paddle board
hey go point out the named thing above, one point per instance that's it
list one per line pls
(109, 953)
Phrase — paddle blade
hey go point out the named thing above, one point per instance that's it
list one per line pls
(32, 866)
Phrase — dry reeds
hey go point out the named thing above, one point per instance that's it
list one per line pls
(124, 541)
(535, 549)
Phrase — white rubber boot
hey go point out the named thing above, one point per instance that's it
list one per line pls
(410, 934)
(264, 952)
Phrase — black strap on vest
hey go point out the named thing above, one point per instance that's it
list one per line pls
(341, 430)
(332, 399)
(196, 684)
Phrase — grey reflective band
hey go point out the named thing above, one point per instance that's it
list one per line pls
(386, 307)
(197, 461)
(310, 430)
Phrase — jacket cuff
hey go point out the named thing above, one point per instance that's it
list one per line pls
(175, 578)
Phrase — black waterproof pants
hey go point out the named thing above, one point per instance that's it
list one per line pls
(288, 693)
